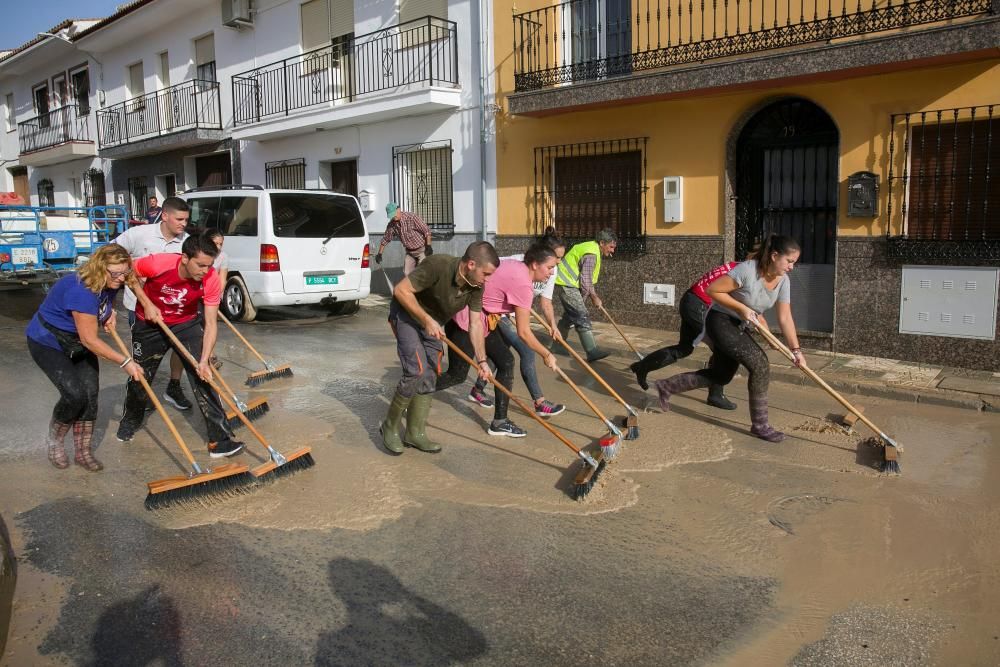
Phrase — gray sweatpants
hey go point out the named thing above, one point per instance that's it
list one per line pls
(419, 354)
(574, 309)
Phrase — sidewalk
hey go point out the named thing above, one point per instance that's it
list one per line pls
(847, 373)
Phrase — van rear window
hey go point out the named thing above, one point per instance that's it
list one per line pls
(315, 216)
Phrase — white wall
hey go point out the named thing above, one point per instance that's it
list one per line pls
(62, 176)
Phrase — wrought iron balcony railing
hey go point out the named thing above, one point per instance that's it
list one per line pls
(420, 51)
(588, 40)
(186, 106)
(59, 126)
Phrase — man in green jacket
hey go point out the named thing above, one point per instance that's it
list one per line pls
(576, 277)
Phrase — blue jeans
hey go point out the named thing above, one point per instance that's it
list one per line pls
(509, 332)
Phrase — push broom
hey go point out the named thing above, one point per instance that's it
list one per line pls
(201, 485)
(611, 443)
(270, 371)
(278, 464)
(631, 421)
(256, 408)
(890, 449)
(620, 332)
(593, 465)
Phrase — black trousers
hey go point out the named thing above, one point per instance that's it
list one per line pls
(78, 382)
(735, 346)
(497, 351)
(692, 311)
(149, 345)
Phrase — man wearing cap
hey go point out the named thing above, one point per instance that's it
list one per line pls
(412, 231)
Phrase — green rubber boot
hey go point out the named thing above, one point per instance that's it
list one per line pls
(559, 348)
(416, 424)
(594, 353)
(390, 427)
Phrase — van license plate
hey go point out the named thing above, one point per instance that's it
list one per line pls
(321, 280)
(24, 255)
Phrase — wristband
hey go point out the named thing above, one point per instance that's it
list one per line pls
(125, 363)
(481, 361)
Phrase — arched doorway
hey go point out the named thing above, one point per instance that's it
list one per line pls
(786, 183)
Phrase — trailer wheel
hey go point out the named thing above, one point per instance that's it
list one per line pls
(236, 303)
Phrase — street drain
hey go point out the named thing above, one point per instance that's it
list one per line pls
(784, 512)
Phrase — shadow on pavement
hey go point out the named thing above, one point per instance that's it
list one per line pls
(387, 624)
(142, 630)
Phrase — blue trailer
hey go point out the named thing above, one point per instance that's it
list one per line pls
(38, 245)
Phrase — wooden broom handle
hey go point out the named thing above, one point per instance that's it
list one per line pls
(583, 397)
(241, 337)
(194, 363)
(781, 347)
(582, 362)
(457, 350)
(156, 402)
(618, 329)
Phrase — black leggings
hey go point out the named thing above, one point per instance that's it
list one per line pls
(78, 382)
(735, 346)
(497, 351)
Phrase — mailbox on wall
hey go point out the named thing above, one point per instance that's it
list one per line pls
(862, 195)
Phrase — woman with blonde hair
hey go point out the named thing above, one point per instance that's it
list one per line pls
(63, 340)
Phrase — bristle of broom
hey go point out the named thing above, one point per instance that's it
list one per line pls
(253, 412)
(611, 446)
(258, 377)
(201, 494)
(631, 426)
(290, 467)
(890, 462)
(587, 477)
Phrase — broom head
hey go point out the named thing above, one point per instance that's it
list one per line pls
(255, 409)
(890, 461)
(631, 426)
(226, 481)
(611, 445)
(587, 477)
(255, 379)
(300, 459)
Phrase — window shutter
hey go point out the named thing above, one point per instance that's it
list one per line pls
(135, 80)
(315, 22)
(415, 9)
(341, 18)
(204, 50)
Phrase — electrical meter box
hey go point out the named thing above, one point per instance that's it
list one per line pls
(673, 198)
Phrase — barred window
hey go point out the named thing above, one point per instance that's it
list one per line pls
(286, 174)
(944, 177)
(46, 193)
(93, 188)
(583, 188)
(422, 182)
(138, 192)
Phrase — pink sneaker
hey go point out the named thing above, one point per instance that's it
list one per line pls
(548, 408)
(480, 398)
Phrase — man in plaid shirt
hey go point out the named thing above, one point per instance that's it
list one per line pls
(412, 231)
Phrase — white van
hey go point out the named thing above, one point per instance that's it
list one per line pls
(286, 247)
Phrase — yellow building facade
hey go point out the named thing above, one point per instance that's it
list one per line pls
(878, 150)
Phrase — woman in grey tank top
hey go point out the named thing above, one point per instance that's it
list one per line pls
(739, 300)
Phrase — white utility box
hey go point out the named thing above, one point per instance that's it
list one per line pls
(673, 198)
(657, 294)
(956, 301)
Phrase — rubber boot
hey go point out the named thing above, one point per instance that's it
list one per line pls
(594, 353)
(559, 348)
(389, 429)
(416, 424)
(678, 384)
(57, 453)
(758, 417)
(83, 433)
(717, 398)
(640, 368)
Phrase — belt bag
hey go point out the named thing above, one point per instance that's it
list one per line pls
(68, 341)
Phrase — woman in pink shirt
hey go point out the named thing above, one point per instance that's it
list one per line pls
(509, 291)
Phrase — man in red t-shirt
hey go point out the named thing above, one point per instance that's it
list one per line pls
(693, 307)
(178, 285)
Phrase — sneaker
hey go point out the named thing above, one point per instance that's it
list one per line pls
(480, 398)
(224, 448)
(548, 408)
(174, 395)
(126, 431)
(507, 428)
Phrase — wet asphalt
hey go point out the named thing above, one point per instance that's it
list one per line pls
(686, 572)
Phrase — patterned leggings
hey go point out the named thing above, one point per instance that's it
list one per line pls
(734, 347)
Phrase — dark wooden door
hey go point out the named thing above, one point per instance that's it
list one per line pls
(344, 177)
(212, 170)
(21, 186)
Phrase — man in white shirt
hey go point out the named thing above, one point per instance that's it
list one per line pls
(167, 236)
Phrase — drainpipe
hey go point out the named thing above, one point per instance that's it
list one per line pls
(485, 108)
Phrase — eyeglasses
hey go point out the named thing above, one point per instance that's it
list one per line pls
(119, 274)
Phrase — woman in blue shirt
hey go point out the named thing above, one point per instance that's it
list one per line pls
(63, 340)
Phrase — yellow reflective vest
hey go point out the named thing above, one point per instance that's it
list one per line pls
(568, 272)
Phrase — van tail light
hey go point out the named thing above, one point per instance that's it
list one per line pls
(5, 257)
(366, 257)
(269, 258)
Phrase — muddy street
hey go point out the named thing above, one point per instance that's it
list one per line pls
(699, 544)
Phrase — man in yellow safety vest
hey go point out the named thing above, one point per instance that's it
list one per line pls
(576, 277)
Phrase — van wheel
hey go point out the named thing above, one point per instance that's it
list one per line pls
(236, 303)
(344, 307)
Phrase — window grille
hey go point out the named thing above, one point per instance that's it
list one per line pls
(286, 174)
(93, 188)
(422, 182)
(138, 192)
(46, 193)
(583, 188)
(944, 184)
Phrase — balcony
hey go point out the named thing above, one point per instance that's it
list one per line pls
(60, 135)
(589, 52)
(188, 114)
(398, 71)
